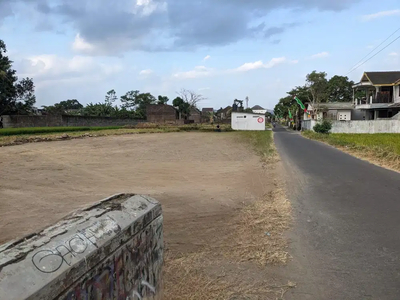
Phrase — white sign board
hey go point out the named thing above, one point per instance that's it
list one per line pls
(247, 121)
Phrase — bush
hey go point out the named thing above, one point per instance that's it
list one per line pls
(323, 127)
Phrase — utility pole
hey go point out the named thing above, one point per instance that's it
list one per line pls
(247, 102)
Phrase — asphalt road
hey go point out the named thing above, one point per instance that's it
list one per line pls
(346, 232)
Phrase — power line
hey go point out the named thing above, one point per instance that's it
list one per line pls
(374, 49)
(374, 55)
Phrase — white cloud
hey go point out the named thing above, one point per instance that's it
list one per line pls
(146, 72)
(260, 65)
(202, 71)
(147, 7)
(197, 72)
(206, 58)
(381, 14)
(319, 55)
(80, 45)
(393, 54)
(50, 68)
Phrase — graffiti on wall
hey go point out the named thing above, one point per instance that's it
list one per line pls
(132, 272)
(51, 260)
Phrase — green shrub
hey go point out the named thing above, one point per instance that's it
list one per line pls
(323, 127)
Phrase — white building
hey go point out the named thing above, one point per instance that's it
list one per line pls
(257, 109)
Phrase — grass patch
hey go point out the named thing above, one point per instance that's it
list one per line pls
(379, 148)
(36, 130)
(17, 136)
(262, 141)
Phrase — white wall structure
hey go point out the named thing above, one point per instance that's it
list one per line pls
(372, 126)
(247, 121)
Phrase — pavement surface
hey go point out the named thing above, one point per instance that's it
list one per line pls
(345, 240)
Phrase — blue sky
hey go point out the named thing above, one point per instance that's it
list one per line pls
(222, 49)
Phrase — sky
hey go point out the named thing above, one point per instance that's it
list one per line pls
(221, 49)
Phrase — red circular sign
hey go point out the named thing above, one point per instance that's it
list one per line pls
(260, 120)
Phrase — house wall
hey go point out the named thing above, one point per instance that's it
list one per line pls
(343, 115)
(396, 93)
(111, 250)
(161, 113)
(15, 121)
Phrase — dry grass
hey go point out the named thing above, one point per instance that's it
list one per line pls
(261, 227)
(253, 239)
(380, 149)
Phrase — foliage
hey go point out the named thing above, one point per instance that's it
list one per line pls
(340, 89)
(182, 106)
(248, 110)
(64, 107)
(15, 97)
(134, 100)
(324, 127)
(162, 99)
(317, 84)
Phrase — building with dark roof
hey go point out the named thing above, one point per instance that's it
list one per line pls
(378, 94)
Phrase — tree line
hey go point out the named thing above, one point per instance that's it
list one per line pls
(317, 89)
(18, 97)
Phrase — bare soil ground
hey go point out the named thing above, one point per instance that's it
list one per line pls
(211, 186)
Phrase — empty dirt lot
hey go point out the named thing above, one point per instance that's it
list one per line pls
(203, 180)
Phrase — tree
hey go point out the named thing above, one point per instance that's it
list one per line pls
(111, 97)
(190, 97)
(138, 102)
(64, 107)
(162, 99)
(318, 87)
(340, 89)
(15, 97)
(182, 106)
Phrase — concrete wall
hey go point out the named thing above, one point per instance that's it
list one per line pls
(372, 126)
(111, 250)
(14, 121)
(247, 121)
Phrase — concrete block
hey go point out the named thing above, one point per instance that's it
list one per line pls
(110, 250)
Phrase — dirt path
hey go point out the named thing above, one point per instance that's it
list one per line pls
(201, 179)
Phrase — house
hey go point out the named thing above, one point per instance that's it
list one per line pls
(161, 113)
(195, 115)
(224, 113)
(335, 111)
(257, 109)
(377, 94)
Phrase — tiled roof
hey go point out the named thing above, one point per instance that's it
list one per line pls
(257, 107)
(389, 77)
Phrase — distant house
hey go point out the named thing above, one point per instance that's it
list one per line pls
(224, 113)
(161, 113)
(207, 110)
(257, 109)
(378, 94)
(338, 111)
(195, 115)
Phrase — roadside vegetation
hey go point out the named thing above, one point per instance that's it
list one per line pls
(380, 148)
